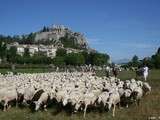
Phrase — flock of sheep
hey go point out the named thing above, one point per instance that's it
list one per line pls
(80, 90)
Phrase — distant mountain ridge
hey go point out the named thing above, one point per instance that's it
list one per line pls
(122, 61)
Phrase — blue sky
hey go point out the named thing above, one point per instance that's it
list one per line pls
(121, 28)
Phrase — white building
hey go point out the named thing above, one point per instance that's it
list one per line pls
(20, 50)
(33, 49)
(51, 52)
(71, 50)
(48, 50)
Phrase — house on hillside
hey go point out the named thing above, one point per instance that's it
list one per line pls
(20, 49)
(71, 50)
(33, 49)
(49, 51)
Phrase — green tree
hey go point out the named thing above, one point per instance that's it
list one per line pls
(26, 52)
(86, 57)
(61, 52)
(147, 61)
(59, 61)
(68, 42)
(11, 54)
(158, 51)
(157, 60)
(30, 38)
(74, 59)
(45, 29)
(135, 61)
(3, 50)
(135, 58)
(100, 59)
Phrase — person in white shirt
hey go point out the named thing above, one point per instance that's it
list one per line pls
(145, 72)
(107, 71)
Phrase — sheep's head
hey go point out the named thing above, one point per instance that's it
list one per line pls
(133, 80)
(99, 100)
(109, 105)
(65, 101)
(77, 106)
(37, 105)
(146, 88)
(133, 96)
(127, 93)
(140, 83)
(24, 101)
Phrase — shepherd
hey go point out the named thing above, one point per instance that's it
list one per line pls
(143, 72)
(107, 71)
(115, 71)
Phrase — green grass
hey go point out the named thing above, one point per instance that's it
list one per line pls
(149, 106)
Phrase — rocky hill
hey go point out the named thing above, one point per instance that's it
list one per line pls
(62, 35)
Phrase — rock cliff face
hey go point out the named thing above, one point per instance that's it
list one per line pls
(56, 32)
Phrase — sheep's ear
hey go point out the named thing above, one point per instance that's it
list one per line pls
(35, 87)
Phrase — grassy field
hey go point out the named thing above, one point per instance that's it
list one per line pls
(149, 106)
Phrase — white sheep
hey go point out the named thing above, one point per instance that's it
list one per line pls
(136, 95)
(42, 101)
(8, 95)
(114, 99)
(80, 89)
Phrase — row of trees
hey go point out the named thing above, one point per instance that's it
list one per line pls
(24, 39)
(62, 58)
(81, 58)
(152, 62)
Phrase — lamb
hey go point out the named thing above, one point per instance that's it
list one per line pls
(75, 99)
(102, 98)
(114, 99)
(60, 96)
(42, 101)
(125, 98)
(7, 96)
(137, 95)
(28, 94)
(146, 88)
(89, 99)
